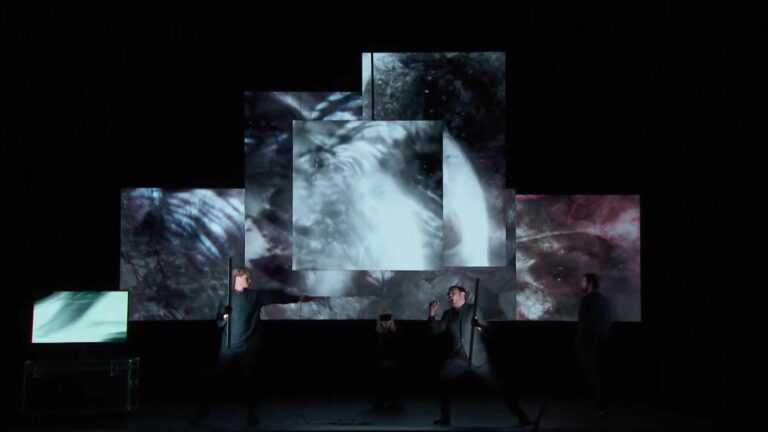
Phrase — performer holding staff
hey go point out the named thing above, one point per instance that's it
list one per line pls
(465, 326)
(239, 318)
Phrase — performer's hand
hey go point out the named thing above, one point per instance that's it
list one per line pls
(476, 324)
(433, 306)
(227, 311)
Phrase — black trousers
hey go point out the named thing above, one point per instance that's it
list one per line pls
(455, 367)
(592, 360)
(234, 373)
(387, 384)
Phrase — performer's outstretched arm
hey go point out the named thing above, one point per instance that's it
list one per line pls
(282, 297)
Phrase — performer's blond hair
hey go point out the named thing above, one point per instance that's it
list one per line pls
(381, 327)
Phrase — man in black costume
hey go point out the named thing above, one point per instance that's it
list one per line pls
(592, 337)
(459, 322)
(239, 354)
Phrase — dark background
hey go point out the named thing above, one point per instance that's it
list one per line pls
(651, 100)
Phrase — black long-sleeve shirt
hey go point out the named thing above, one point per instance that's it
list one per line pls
(594, 318)
(389, 346)
(458, 324)
(246, 317)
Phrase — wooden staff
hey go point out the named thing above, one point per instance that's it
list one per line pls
(229, 303)
(474, 317)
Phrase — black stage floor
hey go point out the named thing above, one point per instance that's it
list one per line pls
(357, 414)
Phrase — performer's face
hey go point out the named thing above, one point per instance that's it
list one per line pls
(457, 298)
(584, 285)
(242, 282)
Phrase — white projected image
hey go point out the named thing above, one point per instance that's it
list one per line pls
(367, 195)
(81, 316)
(466, 92)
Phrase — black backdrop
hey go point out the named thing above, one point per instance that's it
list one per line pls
(650, 100)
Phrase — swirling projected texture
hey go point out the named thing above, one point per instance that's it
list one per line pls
(81, 316)
(406, 293)
(355, 294)
(510, 205)
(561, 237)
(367, 195)
(268, 146)
(174, 248)
(466, 91)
